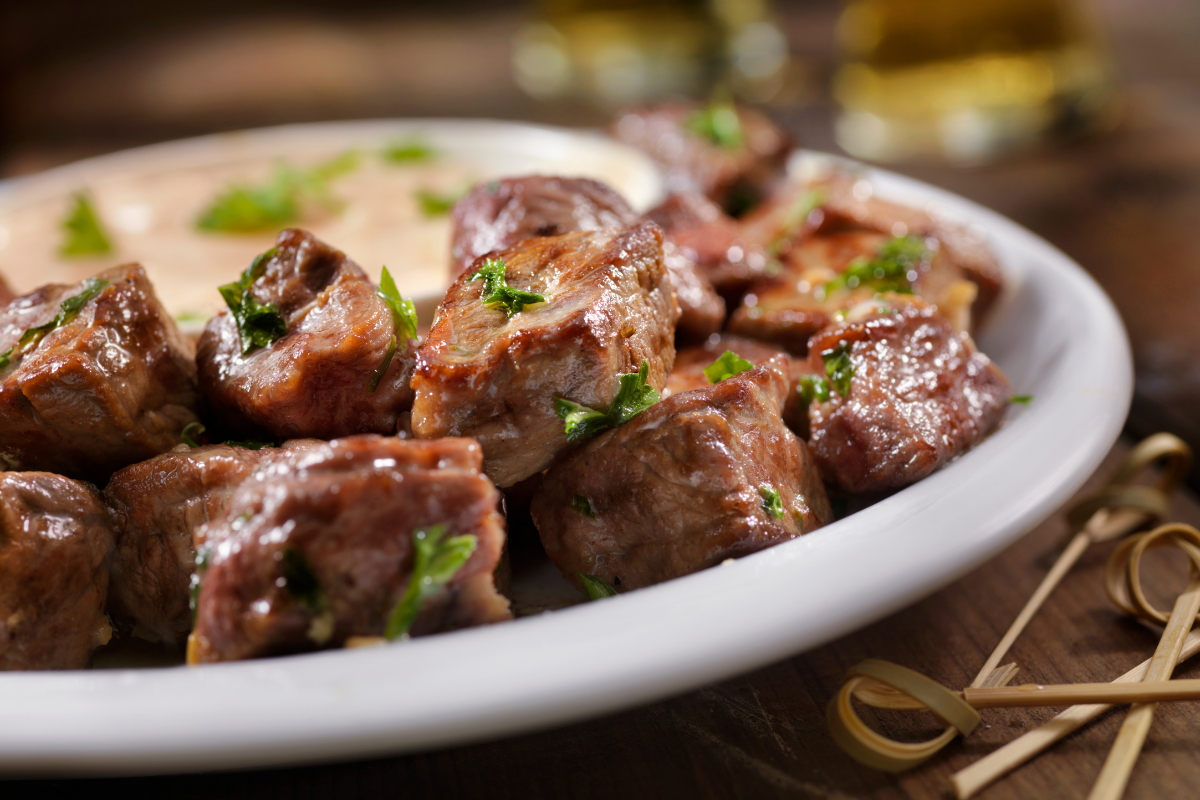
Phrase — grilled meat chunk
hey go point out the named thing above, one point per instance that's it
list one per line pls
(321, 547)
(158, 505)
(500, 214)
(727, 162)
(725, 252)
(691, 362)
(316, 380)
(96, 377)
(826, 273)
(684, 485)
(919, 394)
(488, 375)
(55, 539)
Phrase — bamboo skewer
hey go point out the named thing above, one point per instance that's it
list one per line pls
(1124, 589)
(1110, 785)
(996, 764)
(1073, 694)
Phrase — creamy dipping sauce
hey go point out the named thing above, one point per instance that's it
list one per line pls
(149, 205)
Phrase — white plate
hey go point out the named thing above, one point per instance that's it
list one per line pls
(1055, 334)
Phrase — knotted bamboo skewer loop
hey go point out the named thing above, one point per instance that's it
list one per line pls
(877, 751)
(1173, 452)
(1122, 576)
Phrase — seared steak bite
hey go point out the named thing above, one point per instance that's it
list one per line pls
(827, 272)
(318, 379)
(720, 247)
(158, 505)
(702, 476)
(691, 362)
(493, 375)
(499, 214)
(914, 393)
(718, 150)
(93, 376)
(321, 547)
(55, 539)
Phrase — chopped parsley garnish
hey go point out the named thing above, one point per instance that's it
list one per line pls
(203, 556)
(404, 323)
(595, 588)
(84, 234)
(437, 204)
(892, 270)
(435, 561)
(770, 501)
(633, 397)
(839, 368)
(249, 444)
(1023, 399)
(582, 505)
(718, 123)
(726, 366)
(192, 429)
(413, 151)
(301, 581)
(813, 387)
(244, 208)
(497, 292)
(67, 311)
(6, 358)
(259, 324)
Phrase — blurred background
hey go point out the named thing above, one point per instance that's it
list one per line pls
(1078, 118)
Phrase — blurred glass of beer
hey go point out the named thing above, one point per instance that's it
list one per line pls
(966, 80)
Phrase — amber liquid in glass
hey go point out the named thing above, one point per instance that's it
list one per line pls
(966, 79)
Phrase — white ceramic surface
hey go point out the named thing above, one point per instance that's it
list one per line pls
(1055, 334)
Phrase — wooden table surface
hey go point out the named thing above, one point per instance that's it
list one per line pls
(1126, 205)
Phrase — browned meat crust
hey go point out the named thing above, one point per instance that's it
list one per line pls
(692, 163)
(679, 487)
(726, 253)
(347, 509)
(499, 214)
(690, 363)
(316, 380)
(920, 395)
(55, 538)
(789, 307)
(114, 385)
(158, 505)
(494, 378)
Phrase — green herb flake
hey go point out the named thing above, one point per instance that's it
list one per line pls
(404, 323)
(794, 221)
(84, 235)
(6, 358)
(249, 444)
(595, 588)
(581, 504)
(496, 291)
(413, 151)
(770, 501)
(839, 368)
(436, 559)
(203, 557)
(245, 208)
(191, 432)
(1022, 399)
(813, 387)
(726, 366)
(301, 581)
(634, 396)
(67, 311)
(892, 270)
(436, 204)
(717, 123)
(259, 324)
